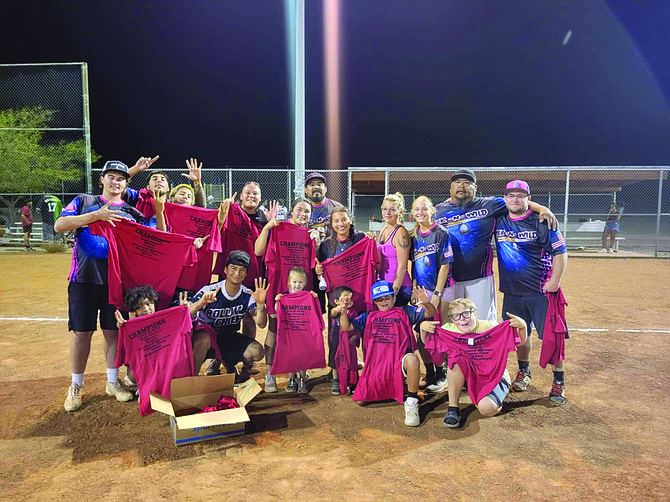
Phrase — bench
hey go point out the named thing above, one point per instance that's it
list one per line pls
(589, 231)
(14, 233)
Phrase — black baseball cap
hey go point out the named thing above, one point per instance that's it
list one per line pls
(239, 258)
(314, 176)
(465, 173)
(116, 165)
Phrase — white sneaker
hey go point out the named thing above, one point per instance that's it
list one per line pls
(439, 386)
(412, 412)
(119, 391)
(270, 383)
(610, 250)
(603, 250)
(129, 382)
(73, 399)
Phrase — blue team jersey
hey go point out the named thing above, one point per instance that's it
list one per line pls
(526, 249)
(89, 255)
(471, 227)
(320, 217)
(428, 253)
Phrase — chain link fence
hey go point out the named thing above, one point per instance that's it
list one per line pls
(580, 197)
(44, 136)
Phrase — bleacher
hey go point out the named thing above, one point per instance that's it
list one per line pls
(14, 234)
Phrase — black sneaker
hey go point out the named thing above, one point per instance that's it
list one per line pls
(452, 419)
(557, 394)
(521, 381)
(213, 368)
(336, 387)
(292, 385)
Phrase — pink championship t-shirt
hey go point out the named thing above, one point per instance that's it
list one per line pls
(346, 358)
(387, 338)
(239, 232)
(140, 255)
(555, 330)
(356, 268)
(482, 356)
(158, 348)
(196, 222)
(289, 246)
(299, 334)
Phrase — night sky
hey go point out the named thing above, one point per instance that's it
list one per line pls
(425, 83)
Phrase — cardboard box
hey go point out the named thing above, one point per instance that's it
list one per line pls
(191, 394)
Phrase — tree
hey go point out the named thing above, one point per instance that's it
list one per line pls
(31, 161)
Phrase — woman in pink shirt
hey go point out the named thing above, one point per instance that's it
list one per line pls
(393, 246)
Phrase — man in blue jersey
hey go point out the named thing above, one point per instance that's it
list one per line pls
(471, 222)
(531, 262)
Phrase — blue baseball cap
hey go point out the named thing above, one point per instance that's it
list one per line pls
(381, 288)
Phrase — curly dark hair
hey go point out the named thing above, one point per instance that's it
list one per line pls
(133, 297)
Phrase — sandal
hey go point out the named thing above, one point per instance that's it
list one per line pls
(453, 418)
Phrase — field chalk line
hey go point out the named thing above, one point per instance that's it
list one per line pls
(583, 330)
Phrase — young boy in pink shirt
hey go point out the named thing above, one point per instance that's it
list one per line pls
(388, 345)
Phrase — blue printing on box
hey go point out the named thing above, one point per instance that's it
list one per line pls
(200, 438)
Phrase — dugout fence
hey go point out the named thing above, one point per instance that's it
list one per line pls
(579, 196)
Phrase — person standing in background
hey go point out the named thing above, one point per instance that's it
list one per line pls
(27, 224)
(50, 208)
(611, 229)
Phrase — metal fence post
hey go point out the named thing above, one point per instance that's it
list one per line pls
(658, 212)
(87, 126)
(349, 194)
(386, 182)
(567, 198)
(230, 183)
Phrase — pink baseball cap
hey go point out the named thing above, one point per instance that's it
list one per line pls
(517, 185)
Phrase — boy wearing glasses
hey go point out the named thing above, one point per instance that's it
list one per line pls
(483, 358)
(531, 262)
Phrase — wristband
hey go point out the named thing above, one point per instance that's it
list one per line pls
(436, 293)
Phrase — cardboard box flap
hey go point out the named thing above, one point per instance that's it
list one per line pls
(189, 386)
(212, 418)
(246, 391)
(162, 404)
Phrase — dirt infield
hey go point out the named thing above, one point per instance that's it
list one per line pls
(609, 441)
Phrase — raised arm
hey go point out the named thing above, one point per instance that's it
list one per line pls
(142, 164)
(259, 294)
(159, 207)
(206, 298)
(261, 244)
(195, 175)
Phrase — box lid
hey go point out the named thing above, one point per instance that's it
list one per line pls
(160, 403)
(232, 416)
(246, 391)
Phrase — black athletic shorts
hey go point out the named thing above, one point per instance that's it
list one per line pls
(529, 308)
(27, 228)
(231, 347)
(84, 302)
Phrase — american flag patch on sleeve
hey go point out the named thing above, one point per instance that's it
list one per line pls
(560, 242)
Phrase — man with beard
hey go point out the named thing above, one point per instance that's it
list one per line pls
(471, 222)
(315, 191)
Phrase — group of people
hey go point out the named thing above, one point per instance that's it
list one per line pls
(429, 290)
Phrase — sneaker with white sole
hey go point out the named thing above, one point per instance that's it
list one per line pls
(439, 386)
(603, 250)
(119, 391)
(412, 418)
(521, 381)
(557, 394)
(302, 386)
(292, 385)
(610, 250)
(129, 382)
(213, 368)
(335, 389)
(270, 383)
(73, 399)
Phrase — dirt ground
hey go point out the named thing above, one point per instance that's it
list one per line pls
(609, 441)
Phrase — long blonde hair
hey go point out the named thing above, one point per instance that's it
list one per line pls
(398, 199)
(431, 209)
